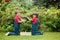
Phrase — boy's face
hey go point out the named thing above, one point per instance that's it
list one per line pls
(18, 14)
(34, 16)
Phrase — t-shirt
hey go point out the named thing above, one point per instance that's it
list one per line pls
(34, 20)
(17, 19)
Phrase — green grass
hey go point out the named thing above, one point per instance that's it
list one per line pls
(45, 36)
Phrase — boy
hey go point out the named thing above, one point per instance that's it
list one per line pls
(17, 21)
(35, 25)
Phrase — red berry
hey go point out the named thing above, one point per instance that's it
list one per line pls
(7, 0)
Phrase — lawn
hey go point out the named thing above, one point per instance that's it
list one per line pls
(45, 36)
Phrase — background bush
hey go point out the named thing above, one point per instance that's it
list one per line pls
(49, 18)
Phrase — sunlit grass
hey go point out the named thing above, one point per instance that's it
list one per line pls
(45, 36)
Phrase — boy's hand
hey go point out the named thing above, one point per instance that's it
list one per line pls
(27, 17)
(23, 20)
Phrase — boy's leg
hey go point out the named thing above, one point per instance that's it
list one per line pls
(16, 28)
(33, 30)
(39, 33)
(10, 33)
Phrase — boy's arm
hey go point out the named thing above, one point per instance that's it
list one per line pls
(22, 20)
(29, 19)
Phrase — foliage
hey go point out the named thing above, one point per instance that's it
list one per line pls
(49, 19)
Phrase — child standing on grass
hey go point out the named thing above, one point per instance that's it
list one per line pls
(35, 25)
(17, 21)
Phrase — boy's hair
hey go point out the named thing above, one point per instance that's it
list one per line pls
(35, 14)
(16, 13)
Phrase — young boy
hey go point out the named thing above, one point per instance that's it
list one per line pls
(35, 25)
(17, 21)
